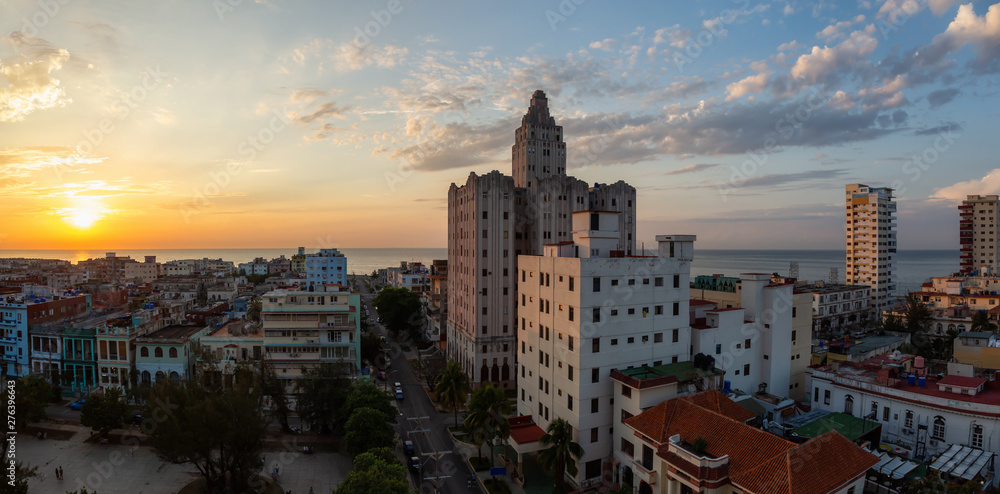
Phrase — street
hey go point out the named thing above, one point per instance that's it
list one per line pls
(421, 423)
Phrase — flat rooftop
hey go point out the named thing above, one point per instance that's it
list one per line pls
(239, 328)
(848, 426)
(646, 376)
(990, 394)
(175, 331)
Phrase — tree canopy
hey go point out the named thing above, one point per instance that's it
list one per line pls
(368, 428)
(399, 309)
(375, 472)
(561, 454)
(321, 392)
(105, 412)
(33, 395)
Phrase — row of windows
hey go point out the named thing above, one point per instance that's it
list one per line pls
(158, 352)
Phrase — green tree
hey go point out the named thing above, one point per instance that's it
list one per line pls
(19, 485)
(891, 322)
(33, 395)
(917, 314)
(399, 309)
(320, 392)
(487, 414)
(375, 473)
(371, 346)
(368, 428)
(105, 412)
(981, 322)
(453, 387)
(274, 388)
(364, 394)
(561, 454)
(254, 307)
(221, 433)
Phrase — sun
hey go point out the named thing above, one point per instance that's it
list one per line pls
(82, 218)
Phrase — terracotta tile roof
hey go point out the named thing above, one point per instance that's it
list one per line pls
(523, 430)
(962, 382)
(759, 462)
(817, 466)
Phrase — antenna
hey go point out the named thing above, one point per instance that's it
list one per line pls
(793, 269)
(834, 276)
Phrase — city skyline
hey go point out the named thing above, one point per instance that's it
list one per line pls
(228, 124)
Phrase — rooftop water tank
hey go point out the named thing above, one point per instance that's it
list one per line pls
(918, 362)
(922, 381)
(911, 380)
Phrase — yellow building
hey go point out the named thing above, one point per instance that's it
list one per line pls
(980, 349)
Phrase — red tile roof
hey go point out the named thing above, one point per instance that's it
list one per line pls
(523, 430)
(962, 382)
(759, 462)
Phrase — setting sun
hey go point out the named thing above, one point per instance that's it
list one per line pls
(82, 218)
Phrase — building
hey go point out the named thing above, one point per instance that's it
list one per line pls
(493, 218)
(235, 342)
(413, 276)
(921, 416)
(257, 266)
(979, 349)
(115, 342)
(79, 361)
(326, 266)
(299, 261)
(279, 265)
(435, 302)
(871, 241)
(36, 306)
(140, 272)
(110, 268)
(838, 307)
(979, 234)
(167, 353)
(585, 309)
(702, 443)
(757, 329)
(303, 329)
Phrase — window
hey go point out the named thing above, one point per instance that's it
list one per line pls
(658, 281)
(614, 282)
(596, 314)
(597, 284)
(571, 338)
(144, 352)
(849, 405)
(718, 349)
(677, 281)
(569, 401)
(908, 422)
(570, 372)
(625, 416)
(977, 436)
(885, 414)
(746, 369)
(595, 346)
(172, 353)
(826, 397)
(631, 282)
(595, 405)
(677, 308)
(657, 337)
(793, 335)
(594, 434)
(658, 310)
(938, 428)
(571, 318)
(158, 352)
(627, 447)
(874, 413)
(676, 336)
(746, 344)
(570, 283)
(595, 374)
(626, 391)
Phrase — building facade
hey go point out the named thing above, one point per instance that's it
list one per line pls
(837, 307)
(871, 241)
(585, 309)
(167, 353)
(326, 266)
(979, 234)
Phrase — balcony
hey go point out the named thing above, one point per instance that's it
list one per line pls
(338, 325)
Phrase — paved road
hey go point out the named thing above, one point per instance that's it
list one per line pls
(451, 470)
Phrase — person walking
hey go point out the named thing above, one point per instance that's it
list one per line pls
(61, 477)
(57, 474)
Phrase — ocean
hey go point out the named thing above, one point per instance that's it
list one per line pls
(912, 267)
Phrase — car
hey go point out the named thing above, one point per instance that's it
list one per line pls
(408, 447)
(415, 463)
(398, 386)
(858, 334)
(77, 405)
(399, 394)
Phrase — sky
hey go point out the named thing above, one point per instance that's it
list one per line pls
(273, 123)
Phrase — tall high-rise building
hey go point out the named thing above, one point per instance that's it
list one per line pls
(493, 218)
(979, 234)
(326, 266)
(871, 241)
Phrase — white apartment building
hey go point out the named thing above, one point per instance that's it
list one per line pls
(305, 328)
(327, 266)
(585, 309)
(979, 234)
(836, 306)
(494, 218)
(871, 241)
(924, 417)
(257, 266)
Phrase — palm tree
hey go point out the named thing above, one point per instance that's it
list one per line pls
(558, 458)
(488, 409)
(453, 387)
(254, 307)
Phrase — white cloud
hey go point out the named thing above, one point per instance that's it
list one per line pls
(968, 28)
(751, 84)
(822, 62)
(605, 45)
(834, 31)
(357, 55)
(989, 184)
(27, 86)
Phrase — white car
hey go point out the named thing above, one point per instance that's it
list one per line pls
(399, 386)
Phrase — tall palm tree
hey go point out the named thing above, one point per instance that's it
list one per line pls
(488, 410)
(254, 307)
(558, 457)
(981, 322)
(453, 387)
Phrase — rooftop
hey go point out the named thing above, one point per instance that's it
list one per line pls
(174, 332)
(976, 334)
(646, 376)
(847, 425)
(990, 394)
(239, 327)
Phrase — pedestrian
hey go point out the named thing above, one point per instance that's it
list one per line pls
(61, 474)
(57, 473)
(311, 490)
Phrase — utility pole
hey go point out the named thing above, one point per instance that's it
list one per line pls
(418, 426)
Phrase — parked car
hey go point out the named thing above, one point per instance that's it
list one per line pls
(399, 394)
(398, 385)
(415, 463)
(77, 405)
(408, 448)
(858, 334)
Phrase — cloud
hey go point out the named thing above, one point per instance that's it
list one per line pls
(358, 55)
(328, 109)
(968, 29)
(989, 184)
(26, 82)
(940, 129)
(458, 145)
(23, 162)
(834, 31)
(605, 45)
(774, 179)
(942, 97)
(307, 95)
(693, 168)
(827, 64)
(751, 84)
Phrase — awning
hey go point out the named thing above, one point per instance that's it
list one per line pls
(962, 461)
(903, 470)
(891, 465)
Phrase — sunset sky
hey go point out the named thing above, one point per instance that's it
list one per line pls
(271, 123)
